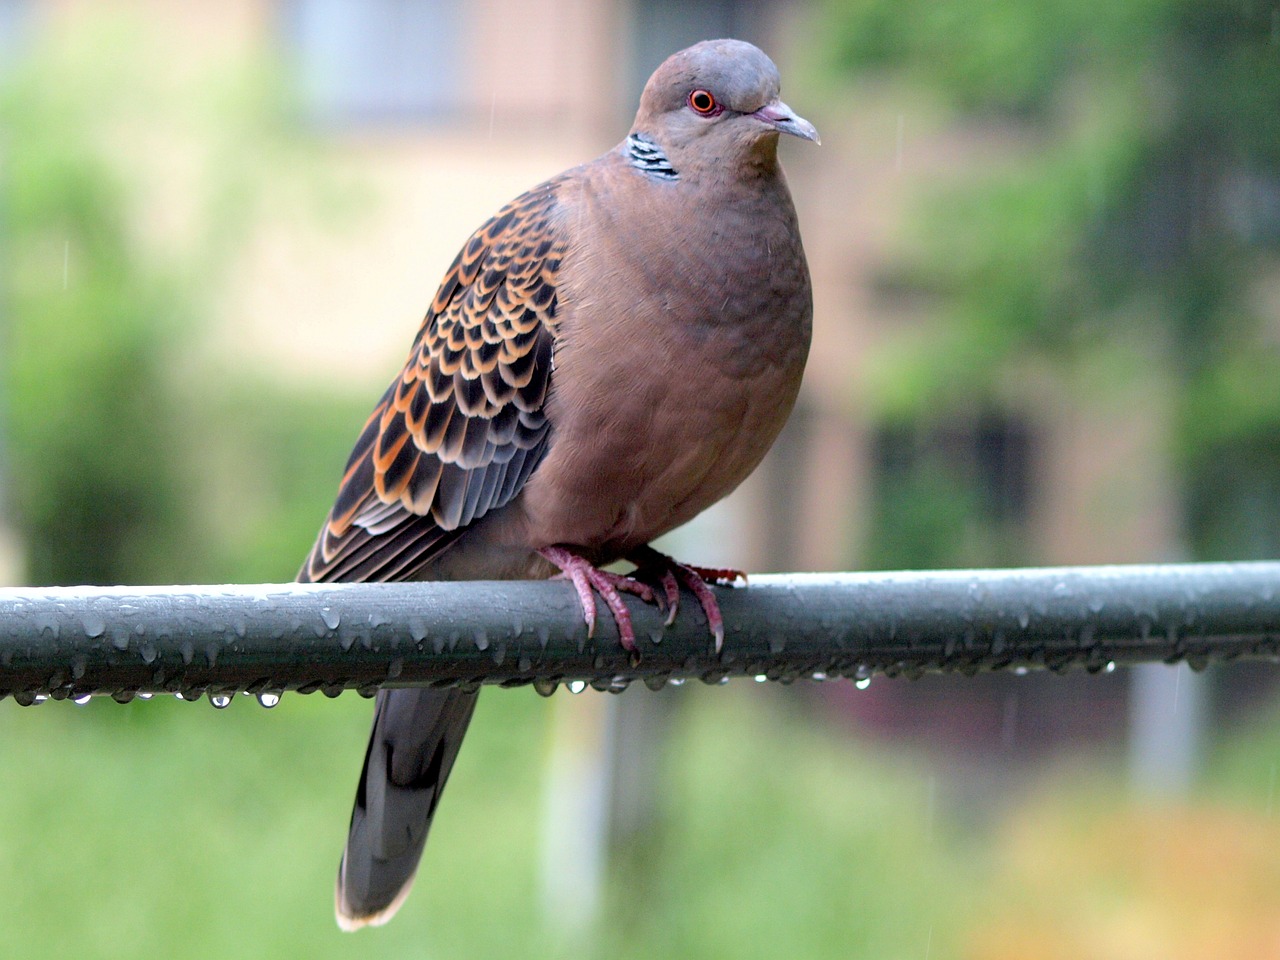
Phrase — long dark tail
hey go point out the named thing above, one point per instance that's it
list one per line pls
(416, 736)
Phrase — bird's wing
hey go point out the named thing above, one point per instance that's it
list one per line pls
(461, 429)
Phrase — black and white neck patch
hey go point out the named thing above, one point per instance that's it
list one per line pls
(647, 156)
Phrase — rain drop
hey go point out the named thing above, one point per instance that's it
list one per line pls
(863, 683)
(545, 687)
(677, 681)
(145, 696)
(220, 700)
(761, 678)
(330, 617)
(94, 625)
(83, 699)
(268, 699)
(1110, 667)
(576, 686)
(819, 676)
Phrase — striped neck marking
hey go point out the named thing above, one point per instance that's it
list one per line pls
(647, 156)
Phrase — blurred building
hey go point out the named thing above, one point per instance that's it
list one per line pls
(447, 110)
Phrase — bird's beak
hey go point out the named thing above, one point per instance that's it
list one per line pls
(785, 120)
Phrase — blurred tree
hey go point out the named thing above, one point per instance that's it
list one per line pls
(1139, 239)
(109, 260)
(92, 324)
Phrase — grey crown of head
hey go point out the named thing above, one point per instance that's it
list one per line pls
(740, 75)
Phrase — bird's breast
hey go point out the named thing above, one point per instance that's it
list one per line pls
(679, 356)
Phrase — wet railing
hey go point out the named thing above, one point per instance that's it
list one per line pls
(216, 641)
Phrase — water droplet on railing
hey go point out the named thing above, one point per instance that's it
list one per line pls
(1110, 667)
(82, 699)
(268, 699)
(220, 700)
(863, 683)
(545, 687)
(145, 696)
(576, 686)
(330, 617)
(761, 678)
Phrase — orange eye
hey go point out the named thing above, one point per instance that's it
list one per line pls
(702, 102)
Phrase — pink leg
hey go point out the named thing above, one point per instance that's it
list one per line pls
(585, 577)
(671, 573)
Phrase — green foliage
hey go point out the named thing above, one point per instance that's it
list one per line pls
(121, 447)
(781, 837)
(91, 324)
(169, 826)
(991, 56)
(1140, 217)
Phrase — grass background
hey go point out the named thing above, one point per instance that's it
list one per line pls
(163, 828)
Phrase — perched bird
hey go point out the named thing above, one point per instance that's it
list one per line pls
(609, 355)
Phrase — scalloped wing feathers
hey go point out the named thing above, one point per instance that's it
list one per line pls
(461, 429)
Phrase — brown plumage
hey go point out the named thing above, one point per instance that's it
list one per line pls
(609, 355)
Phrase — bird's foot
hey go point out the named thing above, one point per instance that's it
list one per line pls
(670, 573)
(587, 577)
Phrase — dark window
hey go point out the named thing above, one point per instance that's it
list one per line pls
(15, 17)
(377, 60)
(951, 493)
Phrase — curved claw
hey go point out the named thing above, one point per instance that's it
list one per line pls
(589, 580)
(671, 573)
(667, 573)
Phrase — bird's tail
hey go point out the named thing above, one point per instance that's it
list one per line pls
(415, 738)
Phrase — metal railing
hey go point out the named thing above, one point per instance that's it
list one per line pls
(216, 641)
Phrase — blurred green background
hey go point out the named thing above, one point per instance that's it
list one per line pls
(218, 225)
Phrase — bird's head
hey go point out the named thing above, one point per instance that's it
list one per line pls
(716, 103)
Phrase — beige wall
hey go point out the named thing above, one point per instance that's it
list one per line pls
(542, 93)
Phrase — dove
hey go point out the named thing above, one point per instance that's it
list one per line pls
(610, 354)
